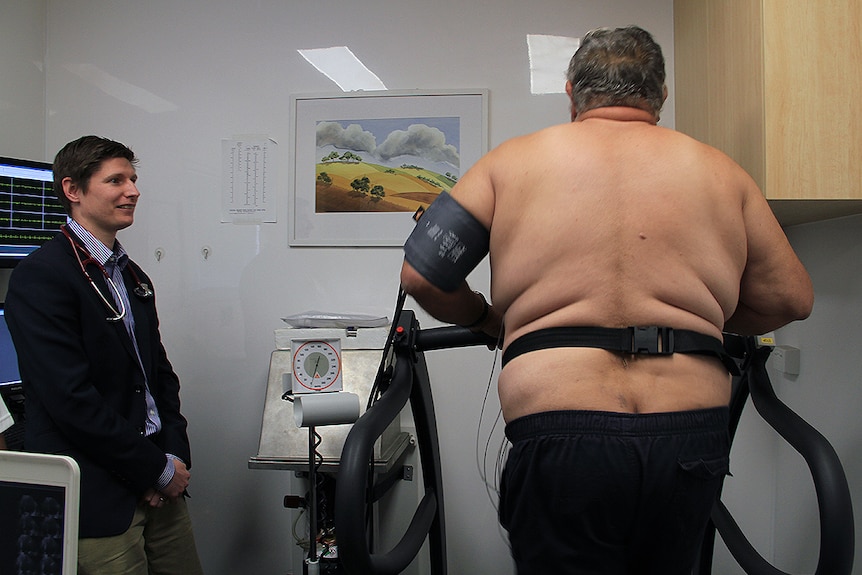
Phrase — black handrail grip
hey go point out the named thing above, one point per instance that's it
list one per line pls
(451, 336)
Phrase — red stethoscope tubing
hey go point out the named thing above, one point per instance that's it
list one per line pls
(142, 289)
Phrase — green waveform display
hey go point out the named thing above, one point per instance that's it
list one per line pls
(30, 214)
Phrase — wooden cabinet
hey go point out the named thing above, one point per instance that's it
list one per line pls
(777, 85)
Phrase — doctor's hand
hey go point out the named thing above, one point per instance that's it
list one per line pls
(179, 482)
(154, 498)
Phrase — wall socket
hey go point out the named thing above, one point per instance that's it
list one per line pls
(785, 358)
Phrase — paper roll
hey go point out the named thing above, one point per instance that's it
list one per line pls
(331, 408)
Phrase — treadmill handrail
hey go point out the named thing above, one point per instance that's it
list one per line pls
(351, 493)
(837, 542)
(352, 485)
(451, 336)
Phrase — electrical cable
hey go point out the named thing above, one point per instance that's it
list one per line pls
(321, 493)
(377, 387)
(491, 485)
(300, 541)
(315, 461)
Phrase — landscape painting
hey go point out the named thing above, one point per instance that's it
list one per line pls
(364, 162)
(385, 165)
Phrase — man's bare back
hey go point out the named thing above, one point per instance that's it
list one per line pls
(612, 221)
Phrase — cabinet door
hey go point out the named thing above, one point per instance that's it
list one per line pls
(776, 85)
(718, 66)
(813, 99)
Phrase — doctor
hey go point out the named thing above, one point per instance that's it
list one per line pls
(98, 383)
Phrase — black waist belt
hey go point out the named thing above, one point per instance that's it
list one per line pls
(651, 340)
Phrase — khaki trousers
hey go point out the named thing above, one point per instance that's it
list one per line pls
(159, 541)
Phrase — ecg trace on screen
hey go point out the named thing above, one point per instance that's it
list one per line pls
(30, 214)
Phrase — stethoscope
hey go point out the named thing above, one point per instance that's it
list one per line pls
(142, 290)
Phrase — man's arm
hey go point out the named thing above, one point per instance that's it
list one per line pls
(163, 382)
(775, 288)
(462, 307)
(472, 195)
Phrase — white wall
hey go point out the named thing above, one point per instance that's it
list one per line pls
(22, 88)
(223, 68)
(22, 85)
(229, 68)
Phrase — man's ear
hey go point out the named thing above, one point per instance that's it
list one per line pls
(569, 89)
(71, 190)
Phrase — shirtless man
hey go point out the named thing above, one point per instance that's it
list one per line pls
(613, 222)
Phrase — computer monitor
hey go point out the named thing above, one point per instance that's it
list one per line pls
(11, 390)
(39, 497)
(8, 359)
(30, 213)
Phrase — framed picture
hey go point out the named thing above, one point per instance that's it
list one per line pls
(364, 162)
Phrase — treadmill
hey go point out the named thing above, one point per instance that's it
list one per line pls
(403, 378)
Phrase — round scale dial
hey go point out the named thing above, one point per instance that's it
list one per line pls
(316, 365)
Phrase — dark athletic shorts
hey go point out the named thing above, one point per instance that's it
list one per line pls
(587, 492)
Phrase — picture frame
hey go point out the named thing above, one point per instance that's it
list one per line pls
(363, 162)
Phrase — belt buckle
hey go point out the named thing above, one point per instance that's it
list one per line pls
(651, 340)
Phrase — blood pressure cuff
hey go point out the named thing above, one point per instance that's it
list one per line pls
(446, 244)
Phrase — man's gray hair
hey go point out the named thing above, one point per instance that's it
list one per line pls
(619, 67)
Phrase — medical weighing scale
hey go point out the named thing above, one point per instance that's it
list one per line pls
(311, 370)
(283, 445)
